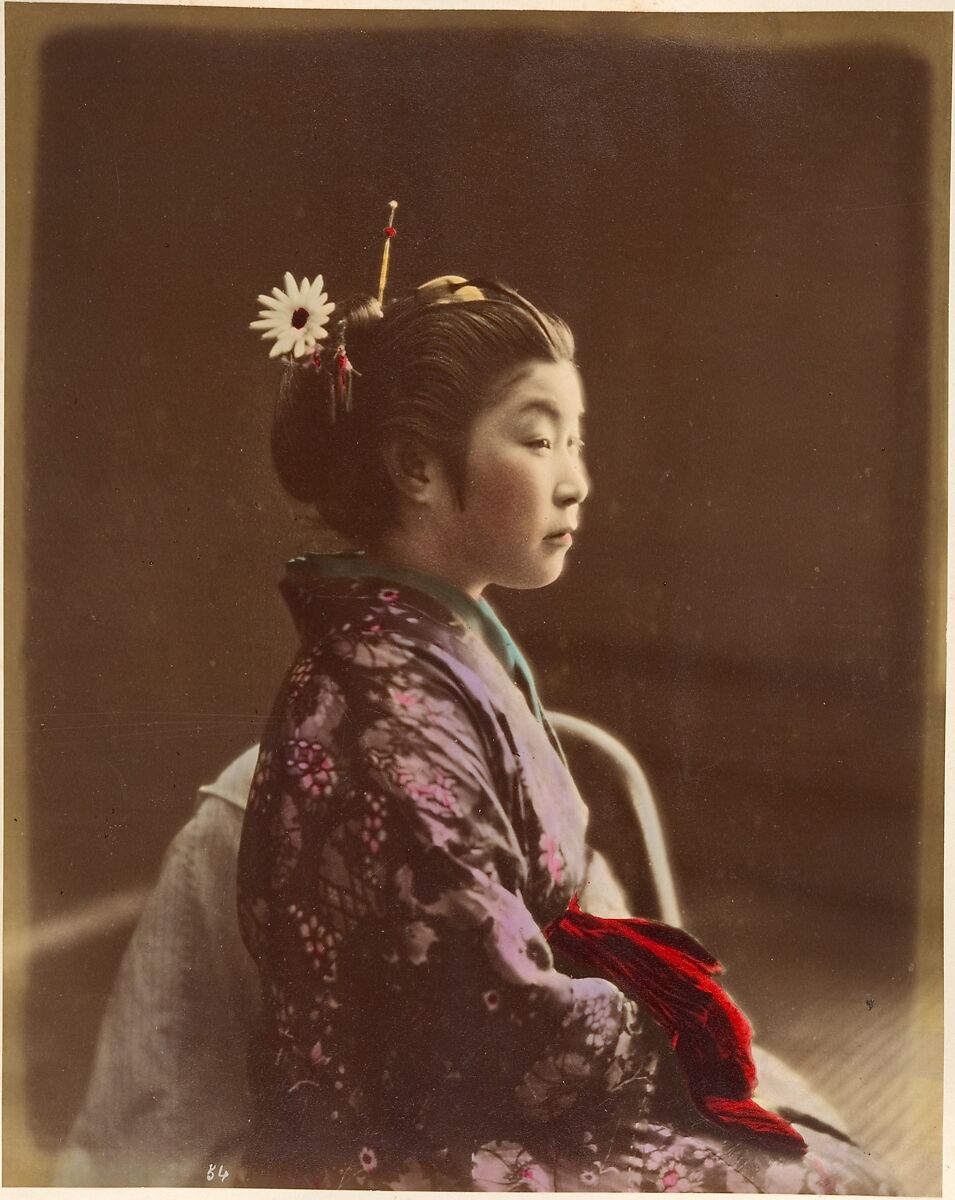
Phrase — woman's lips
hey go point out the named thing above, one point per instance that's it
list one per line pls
(560, 539)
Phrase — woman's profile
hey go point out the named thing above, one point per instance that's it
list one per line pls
(437, 1012)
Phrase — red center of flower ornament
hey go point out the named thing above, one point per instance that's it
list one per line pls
(390, 231)
(299, 318)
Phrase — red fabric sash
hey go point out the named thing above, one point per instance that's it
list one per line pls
(670, 974)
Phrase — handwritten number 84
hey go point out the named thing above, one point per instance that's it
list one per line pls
(218, 1172)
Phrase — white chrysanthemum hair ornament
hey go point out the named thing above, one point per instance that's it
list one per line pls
(297, 320)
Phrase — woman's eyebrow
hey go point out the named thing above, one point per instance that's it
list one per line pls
(547, 407)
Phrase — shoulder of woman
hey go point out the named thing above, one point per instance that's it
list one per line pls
(332, 606)
(382, 627)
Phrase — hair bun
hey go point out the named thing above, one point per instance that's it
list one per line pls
(359, 312)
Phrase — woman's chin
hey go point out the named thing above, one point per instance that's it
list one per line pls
(539, 575)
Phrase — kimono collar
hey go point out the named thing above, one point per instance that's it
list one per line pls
(476, 614)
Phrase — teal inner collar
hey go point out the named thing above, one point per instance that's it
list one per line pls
(476, 614)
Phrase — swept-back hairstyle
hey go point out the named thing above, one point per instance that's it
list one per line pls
(424, 367)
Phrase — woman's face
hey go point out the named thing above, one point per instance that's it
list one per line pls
(524, 483)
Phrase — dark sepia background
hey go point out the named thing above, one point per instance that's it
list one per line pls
(744, 219)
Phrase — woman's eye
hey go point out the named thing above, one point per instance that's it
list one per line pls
(541, 444)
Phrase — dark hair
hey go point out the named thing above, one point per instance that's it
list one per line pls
(426, 366)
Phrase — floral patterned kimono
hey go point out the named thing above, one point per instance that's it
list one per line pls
(412, 827)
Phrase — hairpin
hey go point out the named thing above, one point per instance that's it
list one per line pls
(389, 232)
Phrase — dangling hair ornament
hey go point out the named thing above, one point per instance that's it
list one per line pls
(341, 372)
(296, 320)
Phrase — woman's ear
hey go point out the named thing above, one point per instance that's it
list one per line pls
(413, 469)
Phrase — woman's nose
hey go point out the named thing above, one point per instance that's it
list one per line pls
(574, 485)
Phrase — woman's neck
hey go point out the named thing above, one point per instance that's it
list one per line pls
(418, 552)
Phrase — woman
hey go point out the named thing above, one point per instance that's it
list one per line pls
(413, 836)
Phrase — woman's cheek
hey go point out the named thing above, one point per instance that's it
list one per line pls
(507, 493)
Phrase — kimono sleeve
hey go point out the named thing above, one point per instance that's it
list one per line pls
(471, 1019)
(601, 892)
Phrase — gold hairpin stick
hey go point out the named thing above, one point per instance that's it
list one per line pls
(390, 232)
